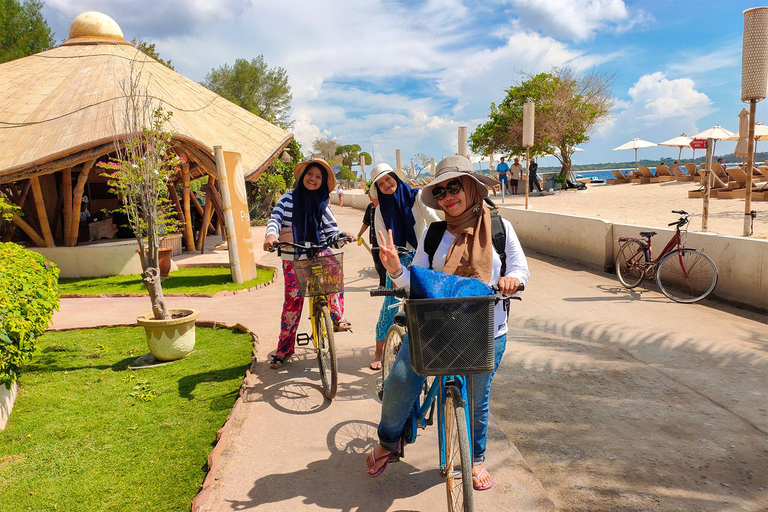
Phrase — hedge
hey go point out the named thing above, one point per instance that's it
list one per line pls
(29, 294)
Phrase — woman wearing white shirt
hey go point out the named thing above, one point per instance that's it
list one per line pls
(466, 249)
(400, 211)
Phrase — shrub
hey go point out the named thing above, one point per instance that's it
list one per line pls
(29, 293)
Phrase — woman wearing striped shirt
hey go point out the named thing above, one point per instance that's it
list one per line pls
(303, 215)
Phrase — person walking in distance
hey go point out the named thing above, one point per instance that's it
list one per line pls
(502, 168)
(533, 178)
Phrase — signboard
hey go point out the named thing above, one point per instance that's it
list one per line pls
(242, 220)
(699, 143)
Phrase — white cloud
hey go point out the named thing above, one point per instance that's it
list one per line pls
(656, 98)
(573, 19)
(689, 63)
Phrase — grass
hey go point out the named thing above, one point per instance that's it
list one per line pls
(87, 434)
(184, 280)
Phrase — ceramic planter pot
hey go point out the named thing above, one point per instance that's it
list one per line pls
(163, 260)
(171, 339)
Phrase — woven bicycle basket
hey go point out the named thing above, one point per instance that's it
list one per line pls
(451, 336)
(321, 275)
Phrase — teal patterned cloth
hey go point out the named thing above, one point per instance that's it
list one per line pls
(430, 284)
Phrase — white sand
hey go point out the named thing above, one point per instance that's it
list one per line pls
(648, 205)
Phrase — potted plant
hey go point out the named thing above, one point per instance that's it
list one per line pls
(144, 166)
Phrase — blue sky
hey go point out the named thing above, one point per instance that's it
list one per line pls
(390, 74)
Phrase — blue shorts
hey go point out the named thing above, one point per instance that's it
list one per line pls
(503, 178)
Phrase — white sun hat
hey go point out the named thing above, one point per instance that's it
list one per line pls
(378, 172)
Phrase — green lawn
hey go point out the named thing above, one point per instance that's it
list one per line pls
(86, 434)
(184, 280)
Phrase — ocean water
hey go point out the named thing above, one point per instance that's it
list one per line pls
(600, 175)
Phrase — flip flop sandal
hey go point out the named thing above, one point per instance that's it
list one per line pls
(379, 471)
(276, 362)
(375, 365)
(341, 326)
(482, 487)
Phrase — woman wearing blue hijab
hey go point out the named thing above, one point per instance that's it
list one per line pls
(303, 215)
(401, 211)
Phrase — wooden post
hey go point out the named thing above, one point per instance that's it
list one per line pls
(707, 184)
(66, 194)
(29, 230)
(175, 201)
(77, 199)
(229, 220)
(189, 234)
(750, 163)
(42, 215)
(206, 214)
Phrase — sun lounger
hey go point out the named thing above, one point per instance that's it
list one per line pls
(643, 175)
(662, 174)
(758, 191)
(738, 175)
(619, 179)
(718, 185)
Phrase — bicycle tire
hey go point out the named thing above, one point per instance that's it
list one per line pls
(326, 351)
(392, 342)
(690, 285)
(458, 482)
(630, 264)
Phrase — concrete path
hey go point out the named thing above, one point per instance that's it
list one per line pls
(292, 450)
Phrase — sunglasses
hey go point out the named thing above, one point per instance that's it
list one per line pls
(453, 187)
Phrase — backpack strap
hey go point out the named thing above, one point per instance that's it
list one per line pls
(499, 239)
(433, 238)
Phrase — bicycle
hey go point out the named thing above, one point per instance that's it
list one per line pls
(319, 276)
(684, 275)
(449, 385)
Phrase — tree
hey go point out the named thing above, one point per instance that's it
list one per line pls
(423, 160)
(350, 155)
(568, 108)
(325, 148)
(23, 29)
(275, 180)
(149, 50)
(345, 174)
(255, 87)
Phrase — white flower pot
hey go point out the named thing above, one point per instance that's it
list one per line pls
(172, 339)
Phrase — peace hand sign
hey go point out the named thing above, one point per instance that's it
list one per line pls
(388, 253)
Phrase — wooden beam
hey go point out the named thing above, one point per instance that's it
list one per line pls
(189, 232)
(66, 193)
(196, 204)
(24, 194)
(175, 201)
(69, 161)
(55, 222)
(77, 199)
(206, 215)
(29, 230)
(42, 215)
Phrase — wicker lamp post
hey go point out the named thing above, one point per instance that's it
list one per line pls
(754, 78)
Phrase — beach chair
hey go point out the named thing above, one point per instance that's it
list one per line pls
(718, 185)
(693, 172)
(739, 175)
(619, 179)
(643, 175)
(662, 174)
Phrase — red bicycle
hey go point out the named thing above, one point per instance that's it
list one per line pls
(683, 274)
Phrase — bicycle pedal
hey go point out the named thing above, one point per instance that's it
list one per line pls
(303, 339)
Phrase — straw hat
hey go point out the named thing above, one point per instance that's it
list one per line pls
(455, 167)
(299, 170)
(378, 172)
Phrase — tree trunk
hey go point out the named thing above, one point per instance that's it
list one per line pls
(151, 278)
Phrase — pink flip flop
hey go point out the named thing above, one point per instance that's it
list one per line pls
(379, 471)
(482, 487)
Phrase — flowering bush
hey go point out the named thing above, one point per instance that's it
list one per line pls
(29, 294)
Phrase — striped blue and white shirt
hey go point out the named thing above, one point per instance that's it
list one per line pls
(282, 218)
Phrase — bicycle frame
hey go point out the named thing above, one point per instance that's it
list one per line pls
(316, 302)
(646, 244)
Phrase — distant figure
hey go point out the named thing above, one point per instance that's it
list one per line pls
(340, 194)
(516, 174)
(722, 165)
(675, 169)
(533, 179)
(368, 217)
(501, 169)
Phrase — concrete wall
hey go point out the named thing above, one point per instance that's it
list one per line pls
(742, 263)
(7, 398)
(98, 260)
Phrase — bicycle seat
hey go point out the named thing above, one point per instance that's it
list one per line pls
(400, 318)
(647, 234)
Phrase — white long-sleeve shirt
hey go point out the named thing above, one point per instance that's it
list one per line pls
(517, 266)
(422, 214)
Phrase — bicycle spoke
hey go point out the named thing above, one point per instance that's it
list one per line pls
(686, 276)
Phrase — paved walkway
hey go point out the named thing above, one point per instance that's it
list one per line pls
(291, 450)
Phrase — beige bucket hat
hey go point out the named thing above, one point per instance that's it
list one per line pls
(378, 172)
(455, 167)
(299, 170)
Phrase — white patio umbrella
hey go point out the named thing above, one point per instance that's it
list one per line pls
(635, 144)
(681, 141)
(717, 133)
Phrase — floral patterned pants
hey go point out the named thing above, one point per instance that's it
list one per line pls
(292, 307)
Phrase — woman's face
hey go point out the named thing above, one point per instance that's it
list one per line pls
(454, 204)
(387, 184)
(313, 178)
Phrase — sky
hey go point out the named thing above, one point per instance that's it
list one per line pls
(406, 74)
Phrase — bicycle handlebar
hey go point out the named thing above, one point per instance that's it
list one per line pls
(403, 293)
(310, 245)
(683, 220)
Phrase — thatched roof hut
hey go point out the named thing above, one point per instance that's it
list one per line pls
(60, 111)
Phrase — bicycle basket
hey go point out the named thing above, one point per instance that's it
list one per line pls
(321, 275)
(451, 336)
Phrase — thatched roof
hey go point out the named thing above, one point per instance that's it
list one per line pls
(60, 107)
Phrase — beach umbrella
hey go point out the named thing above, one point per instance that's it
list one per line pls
(716, 133)
(681, 141)
(635, 144)
(741, 144)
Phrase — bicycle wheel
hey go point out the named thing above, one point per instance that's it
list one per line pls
(686, 277)
(630, 264)
(391, 347)
(326, 351)
(458, 457)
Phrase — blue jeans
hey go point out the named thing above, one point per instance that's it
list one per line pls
(403, 386)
